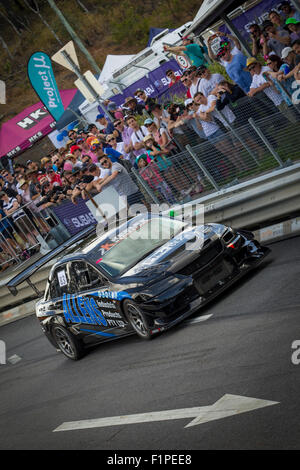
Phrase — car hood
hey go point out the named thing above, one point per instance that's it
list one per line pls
(181, 249)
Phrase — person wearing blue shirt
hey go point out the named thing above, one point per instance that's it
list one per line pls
(235, 67)
(100, 151)
(193, 52)
(109, 128)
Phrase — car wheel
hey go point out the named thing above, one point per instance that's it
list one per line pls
(69, 345)
(137, 319)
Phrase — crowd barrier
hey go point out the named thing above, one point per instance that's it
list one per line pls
(258, 137)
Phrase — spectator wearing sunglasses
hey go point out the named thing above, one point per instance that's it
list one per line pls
(227, 41)
(209, 81)
(262, 83)
(277, 68)
(187, 82)
(147, 100)
(118, 146)
(120, 180)
(235, 66)
(72, 134)
(170, 74)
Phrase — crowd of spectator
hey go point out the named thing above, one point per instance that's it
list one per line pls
(143, 134)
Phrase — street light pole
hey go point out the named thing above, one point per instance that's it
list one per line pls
(74, 36)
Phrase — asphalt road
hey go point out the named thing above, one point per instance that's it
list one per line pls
(244, 348)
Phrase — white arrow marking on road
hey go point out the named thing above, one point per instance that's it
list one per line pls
(228, 405)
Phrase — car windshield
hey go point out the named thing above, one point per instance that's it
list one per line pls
(116, 256)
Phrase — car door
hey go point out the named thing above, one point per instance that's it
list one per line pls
(88, 303)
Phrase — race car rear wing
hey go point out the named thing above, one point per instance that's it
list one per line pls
(25, 275)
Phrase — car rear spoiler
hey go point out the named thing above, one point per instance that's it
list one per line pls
(34, 267)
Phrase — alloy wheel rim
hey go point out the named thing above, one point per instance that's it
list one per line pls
(64, 342)
(137, 319)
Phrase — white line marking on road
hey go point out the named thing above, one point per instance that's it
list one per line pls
(228, 405)
(198, 319)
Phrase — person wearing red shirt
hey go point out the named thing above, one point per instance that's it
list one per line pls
(171, 76)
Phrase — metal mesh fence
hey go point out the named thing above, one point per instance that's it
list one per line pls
(257, 138)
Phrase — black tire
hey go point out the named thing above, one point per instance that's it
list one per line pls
(69, 345)
(137, 319)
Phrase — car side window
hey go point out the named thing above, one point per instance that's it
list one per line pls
(84, 277)
(60, 282)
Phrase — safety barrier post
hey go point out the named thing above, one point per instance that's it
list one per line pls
(202, 167)
(265, 141)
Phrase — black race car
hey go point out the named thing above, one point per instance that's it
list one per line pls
(142, 277)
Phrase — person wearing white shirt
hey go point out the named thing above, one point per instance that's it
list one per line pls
(137, 136)
(207, 116)
(262, 84)
(209, 81)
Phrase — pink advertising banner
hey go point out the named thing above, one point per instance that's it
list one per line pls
(29, 126)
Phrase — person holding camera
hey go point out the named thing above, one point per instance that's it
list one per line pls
(255, 34)
(274, 40)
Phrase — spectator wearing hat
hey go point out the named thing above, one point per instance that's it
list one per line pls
(160, 134)
(69, 162)
(45, 163)
(75, 150)
(194, 52)
(209, 81)
(53, 177)
(274, 40)
(293, 27)
(147, 100)
(99, 151)
(288, 11)
(172, 77)
(114, 110)
(228, 41)
(290, 68)
(262, 83)
(133, 106)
